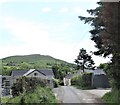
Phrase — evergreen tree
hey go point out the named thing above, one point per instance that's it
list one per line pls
(84, 60)
(105, 33)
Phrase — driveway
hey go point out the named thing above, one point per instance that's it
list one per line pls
(69, 94)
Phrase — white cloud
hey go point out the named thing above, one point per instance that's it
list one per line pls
(5, 1)
(61, 1)
(38, 40)
(64, 10)
(46, 9)
(80, 11)
(26, 31)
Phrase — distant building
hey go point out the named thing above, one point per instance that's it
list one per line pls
(6, 85)
(99, 78)
(38, 73)
(7, 81)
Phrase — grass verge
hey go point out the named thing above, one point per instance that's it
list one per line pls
(40, 95)
(112, 97)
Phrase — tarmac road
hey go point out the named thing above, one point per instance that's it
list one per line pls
(69, 94)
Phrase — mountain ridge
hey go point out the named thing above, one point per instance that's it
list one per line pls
(33, 58)
(32, 61)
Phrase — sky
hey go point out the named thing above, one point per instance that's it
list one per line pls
(46, 27)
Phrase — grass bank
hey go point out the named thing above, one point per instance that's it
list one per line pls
(40, 95)
(112, 97)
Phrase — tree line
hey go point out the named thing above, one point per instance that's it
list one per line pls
(104, 21)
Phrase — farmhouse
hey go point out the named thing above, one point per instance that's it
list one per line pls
(38, 73)
(7, 81)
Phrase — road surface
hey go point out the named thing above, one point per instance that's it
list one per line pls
(69, 94)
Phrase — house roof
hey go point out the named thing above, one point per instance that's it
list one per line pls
(69, 76)
(18, 72)
(28, 72)
(95, 72)
(46, 72)
(98, 72)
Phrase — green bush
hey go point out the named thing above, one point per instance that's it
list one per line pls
(40, 95)
(76, 80)
(5, 99)
(112, 97)
(82, 81)
(56, 82)
(25, 84)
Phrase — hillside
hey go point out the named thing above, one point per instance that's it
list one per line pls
(34, 58)
(30, 61)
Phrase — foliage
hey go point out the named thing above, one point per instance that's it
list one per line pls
(25, 84)
(61, 70)
(39, 95)
(112, 97)
(56, 82)
(34, 61)
(25, 65)
(82, 81)
(105, 33)
(5, 99)
(84, 60)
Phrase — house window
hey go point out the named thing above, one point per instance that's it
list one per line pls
(35, 74)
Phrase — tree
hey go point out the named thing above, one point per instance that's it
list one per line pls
(105, 33)
(84, 60)
(55, 69)
(25, 65)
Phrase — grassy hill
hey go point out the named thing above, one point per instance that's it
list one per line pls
(30, 61)
(34, 58)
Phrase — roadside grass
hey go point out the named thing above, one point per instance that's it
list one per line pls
(40, 95)
(112, 97)
(5, 99)
(83, 88)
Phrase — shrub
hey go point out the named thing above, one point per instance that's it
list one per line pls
(56, 82)
(40, 95)
(112, 97)
(76, 80)
(82, 81)
(26, 84)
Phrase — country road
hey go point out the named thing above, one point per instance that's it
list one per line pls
(69, 94)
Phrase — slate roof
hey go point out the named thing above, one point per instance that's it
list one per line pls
(95, 72)
(28, 72)
(23, 72)
(46, 71)
(98, 72)
(69, 76)
(18, 72)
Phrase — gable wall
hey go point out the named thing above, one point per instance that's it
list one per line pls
(38, 75)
